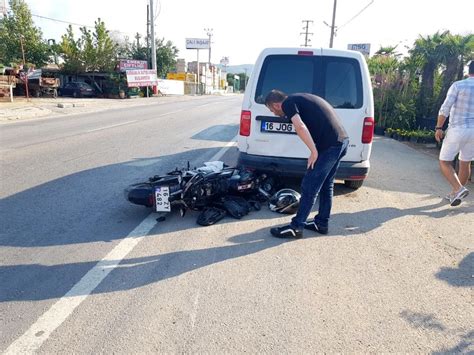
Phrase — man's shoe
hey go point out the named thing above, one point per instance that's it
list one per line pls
(287, 232)
(449, 196)
(312, 226)
(458, 196)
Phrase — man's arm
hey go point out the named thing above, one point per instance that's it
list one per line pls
(438, 129)
(304, 135)
(444, 111)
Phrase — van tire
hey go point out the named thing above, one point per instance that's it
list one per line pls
(353, 184)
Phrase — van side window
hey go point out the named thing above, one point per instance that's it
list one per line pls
(288, 73)
(342, 86)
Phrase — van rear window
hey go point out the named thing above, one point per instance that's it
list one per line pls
(336, 79)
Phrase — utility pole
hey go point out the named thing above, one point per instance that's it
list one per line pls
(24, 67)
(306, 33)
(153, 44)
(333, 25)
(209, 34)
(137, 37)
(148, 51)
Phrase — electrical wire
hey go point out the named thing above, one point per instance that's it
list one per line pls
(157, 11)
(356, 15)
(73, 23)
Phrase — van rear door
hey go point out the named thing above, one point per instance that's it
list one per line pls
(335, 78)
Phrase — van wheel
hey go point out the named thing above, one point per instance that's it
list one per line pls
(353, 184)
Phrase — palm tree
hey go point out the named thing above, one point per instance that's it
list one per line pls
(453, 52)
(426, 50)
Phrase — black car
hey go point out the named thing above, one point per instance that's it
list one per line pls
(77, 89)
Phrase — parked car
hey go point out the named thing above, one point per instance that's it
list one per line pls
(341, 77)
(77, 89)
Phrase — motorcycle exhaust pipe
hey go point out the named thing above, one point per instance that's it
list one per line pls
(264, 193)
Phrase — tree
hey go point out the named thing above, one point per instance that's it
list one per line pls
(166, 54)
(453, 52)
(70, 50)
(134, 50)
(93, 51)
(17, 28)
(426, 50)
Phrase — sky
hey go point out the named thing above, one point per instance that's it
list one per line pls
(241, 29)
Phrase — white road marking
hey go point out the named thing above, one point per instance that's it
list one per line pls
(169, 113)
(40, 331)
(111, 126)
(194, 310)
(221, 152)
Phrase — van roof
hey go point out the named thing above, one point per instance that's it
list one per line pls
(316, 51)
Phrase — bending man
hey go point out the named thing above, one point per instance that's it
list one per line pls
(319, 127)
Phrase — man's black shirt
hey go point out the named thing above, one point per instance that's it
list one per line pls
(319, 117)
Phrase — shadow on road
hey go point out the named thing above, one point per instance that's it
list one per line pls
(136, 272)
(220, 133)
(367, 220)
(462, 276)
(88, 206)
(429, 323)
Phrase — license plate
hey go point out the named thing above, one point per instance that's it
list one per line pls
(277, 127)
(162, 195)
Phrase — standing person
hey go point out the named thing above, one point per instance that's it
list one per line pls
(319, 127)
(459, 106)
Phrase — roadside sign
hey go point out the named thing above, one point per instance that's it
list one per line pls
(197, 43)
(127, 64)
(138, 78)
(364, 48)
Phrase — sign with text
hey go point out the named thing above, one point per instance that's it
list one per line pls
(197, 43)
(127, 64)
(171, 87)
(138, 78)
(364, 48)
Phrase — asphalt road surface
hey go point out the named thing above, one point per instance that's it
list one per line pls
(83, 271)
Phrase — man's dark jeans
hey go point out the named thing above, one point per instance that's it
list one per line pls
(320, 180)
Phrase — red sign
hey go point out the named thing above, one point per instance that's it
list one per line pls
(127, 64)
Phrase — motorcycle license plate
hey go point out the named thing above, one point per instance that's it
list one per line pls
(162, 195)
(277, 127)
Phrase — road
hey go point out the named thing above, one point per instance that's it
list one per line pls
(83, 271)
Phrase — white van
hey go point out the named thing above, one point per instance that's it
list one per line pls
(269, 143)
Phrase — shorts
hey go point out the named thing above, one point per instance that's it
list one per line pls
(458, 140)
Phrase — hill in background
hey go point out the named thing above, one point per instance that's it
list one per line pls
(238, 69)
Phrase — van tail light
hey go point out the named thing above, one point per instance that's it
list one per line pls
(368, 130)
(245, 117)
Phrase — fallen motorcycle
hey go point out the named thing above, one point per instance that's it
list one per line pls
(199, 188)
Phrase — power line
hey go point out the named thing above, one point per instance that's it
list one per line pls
(157, 10)
(72, 23)
(56, 20)
(356, 15)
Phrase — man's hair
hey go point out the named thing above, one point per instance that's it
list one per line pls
(275, 96)
(471, 67)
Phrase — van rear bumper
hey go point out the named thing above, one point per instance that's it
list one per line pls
(297, 167)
